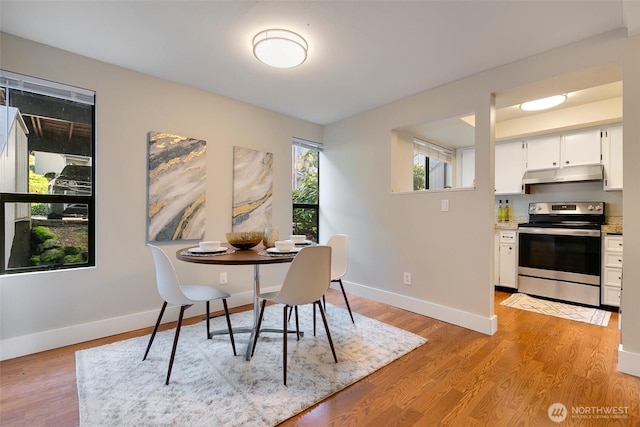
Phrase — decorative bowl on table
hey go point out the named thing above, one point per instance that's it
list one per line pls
(244, 239)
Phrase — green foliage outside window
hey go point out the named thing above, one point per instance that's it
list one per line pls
(418, 177)
(307, 192)
(38, 184)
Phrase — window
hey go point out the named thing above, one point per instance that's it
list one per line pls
(431, 166)
(305, 187)
(47, 197)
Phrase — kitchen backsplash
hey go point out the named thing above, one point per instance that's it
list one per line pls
(565, 192)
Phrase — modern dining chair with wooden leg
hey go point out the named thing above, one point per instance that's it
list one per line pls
(172, 292)
(306, 281)
(339, 262)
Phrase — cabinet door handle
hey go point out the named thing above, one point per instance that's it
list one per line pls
(567, 162)
(554, 163)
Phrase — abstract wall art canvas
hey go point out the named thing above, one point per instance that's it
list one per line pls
(252, 189)
(176, 187)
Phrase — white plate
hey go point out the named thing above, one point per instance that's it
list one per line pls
(197, 250)
(276, 251)
(305, 243)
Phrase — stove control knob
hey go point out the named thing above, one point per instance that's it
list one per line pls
(591, 207)
(598, 207)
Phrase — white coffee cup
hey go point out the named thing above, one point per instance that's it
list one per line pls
(298, 238)
(210, 245)
(284, 245)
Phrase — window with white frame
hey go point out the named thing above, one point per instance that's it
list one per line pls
(432, 166)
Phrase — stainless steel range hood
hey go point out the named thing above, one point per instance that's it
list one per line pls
(566, 174)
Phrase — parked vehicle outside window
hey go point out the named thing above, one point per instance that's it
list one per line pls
(74, 180)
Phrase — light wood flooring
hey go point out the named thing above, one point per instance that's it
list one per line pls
(459, 378)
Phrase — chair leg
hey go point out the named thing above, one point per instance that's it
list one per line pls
(297, 325)
(289, 319)
(208, 318)
(226, 313)
(324, 301)
(284, 346)
(314, 320)
(155, 329)
(345, 300)
(255, 341)
(175, 341)
(326, 328)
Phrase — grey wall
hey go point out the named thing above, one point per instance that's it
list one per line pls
(450, 253)
(51, 309)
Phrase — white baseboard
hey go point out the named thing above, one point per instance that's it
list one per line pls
(55, 338)
(628, 362)
(485, 325)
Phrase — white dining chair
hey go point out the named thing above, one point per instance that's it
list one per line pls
(173, 292)
(339, 263)
(306, 281)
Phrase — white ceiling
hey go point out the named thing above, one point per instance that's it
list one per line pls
(362, 54)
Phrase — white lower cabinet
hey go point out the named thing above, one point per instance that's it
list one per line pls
(611, 270)
(506, 264)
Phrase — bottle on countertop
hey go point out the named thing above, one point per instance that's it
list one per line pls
(507, 211)
(500, 212)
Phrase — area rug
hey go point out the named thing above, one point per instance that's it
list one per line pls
(211, 387)
(593, 316)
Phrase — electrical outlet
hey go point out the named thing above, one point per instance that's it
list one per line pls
(407, 278)
(223, 277)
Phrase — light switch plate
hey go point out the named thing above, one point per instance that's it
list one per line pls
(444, 205)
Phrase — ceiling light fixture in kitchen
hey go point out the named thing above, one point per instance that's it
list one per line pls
(280, 48)
(544, 103)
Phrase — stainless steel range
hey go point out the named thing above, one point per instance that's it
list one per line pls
(560, 251)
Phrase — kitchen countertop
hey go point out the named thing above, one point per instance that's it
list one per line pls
(613, 225)
(511, 225)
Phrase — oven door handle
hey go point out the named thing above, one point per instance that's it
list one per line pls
(560, 231)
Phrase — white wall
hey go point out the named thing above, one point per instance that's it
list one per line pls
(450, 253)
(51, 309)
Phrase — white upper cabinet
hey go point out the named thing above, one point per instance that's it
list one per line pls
(543, 153)
(612, 158)
(581, 148)
(570, 149)
(509, 167)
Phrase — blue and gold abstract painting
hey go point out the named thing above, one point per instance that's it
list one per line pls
(252, 189)
(176, 180)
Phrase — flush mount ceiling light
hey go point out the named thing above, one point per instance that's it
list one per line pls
(544, 103)
(280, 48)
